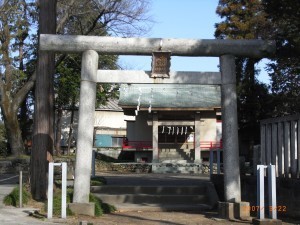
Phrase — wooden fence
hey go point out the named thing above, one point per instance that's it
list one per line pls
(280, 145)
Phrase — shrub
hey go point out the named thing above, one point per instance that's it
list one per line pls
(57, 202)
(101, 207)
(98, 202)
(98, 181)
(13, 197)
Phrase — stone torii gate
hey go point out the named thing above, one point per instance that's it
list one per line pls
(90, 46)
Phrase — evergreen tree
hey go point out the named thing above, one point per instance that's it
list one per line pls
(246, 20)
(284, 69)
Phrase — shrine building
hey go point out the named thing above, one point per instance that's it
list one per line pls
(174, 118)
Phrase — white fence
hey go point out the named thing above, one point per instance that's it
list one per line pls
(280, 145)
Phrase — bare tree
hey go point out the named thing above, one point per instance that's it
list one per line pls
(18, 26)
(14, 83)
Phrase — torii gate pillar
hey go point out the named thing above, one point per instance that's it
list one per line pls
(89, 67)
(232, 208)
(232, 189)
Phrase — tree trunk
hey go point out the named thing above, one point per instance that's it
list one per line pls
(58, 131)
(42, 147)
(13, 130)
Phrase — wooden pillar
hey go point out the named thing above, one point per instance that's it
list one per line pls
(155, 155)
(232, 187)
(263, 144)
(268, 144)
(293, 150)
(274, 159)
(197, 138)
(280, 149)
(298, 148)
(287, 148)
(85, 126)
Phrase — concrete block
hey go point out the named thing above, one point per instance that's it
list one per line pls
(83, 208)
(226, 210)
(242, 210)
(266, 222)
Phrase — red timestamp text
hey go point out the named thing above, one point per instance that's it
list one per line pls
(256, 208)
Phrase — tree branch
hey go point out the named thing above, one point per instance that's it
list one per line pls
(22, 93)
(64, 19)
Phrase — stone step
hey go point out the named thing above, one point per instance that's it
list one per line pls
(144, 207)
(152, 190)
(161, 193)
(152, 199)
(174, 150)
(175, 154)
(176, 161)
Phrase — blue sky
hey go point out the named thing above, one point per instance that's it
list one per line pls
(182, 19)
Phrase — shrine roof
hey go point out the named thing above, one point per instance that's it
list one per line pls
(170, 96)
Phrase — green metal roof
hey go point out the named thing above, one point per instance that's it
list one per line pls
(170, 96)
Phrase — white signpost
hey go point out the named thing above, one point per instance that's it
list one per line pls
(63, 189)
(261, 192)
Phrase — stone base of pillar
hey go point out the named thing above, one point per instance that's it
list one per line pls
(87, 209)
(266, 222)
(226, 210)
(198, 161)
(233, 211)
(242, 210)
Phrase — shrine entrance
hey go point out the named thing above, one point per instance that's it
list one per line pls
(90, 46)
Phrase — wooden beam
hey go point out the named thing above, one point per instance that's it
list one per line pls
(145, 46)
(131, 107)
(172, 123)
(281, 119)
(143, 77)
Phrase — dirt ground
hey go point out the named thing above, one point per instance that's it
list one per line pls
(156, 218)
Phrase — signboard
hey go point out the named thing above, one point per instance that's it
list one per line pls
(160, 64)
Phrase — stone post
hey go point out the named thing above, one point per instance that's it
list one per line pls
(197, 138)
(85, 132)
(232, 187)
(155, 157)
